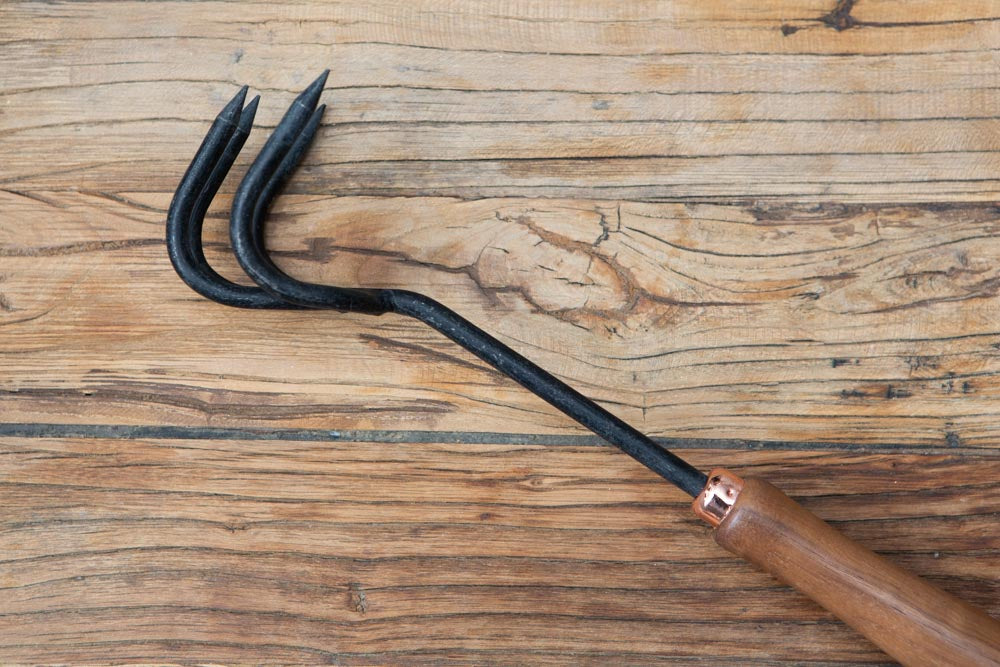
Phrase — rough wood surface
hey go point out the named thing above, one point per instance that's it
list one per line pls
(218, 550)
(764, 232)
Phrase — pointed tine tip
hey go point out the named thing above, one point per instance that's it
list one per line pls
(310, 96)
(314, 120)
(310, 128)
(249, 111)
(232, 110)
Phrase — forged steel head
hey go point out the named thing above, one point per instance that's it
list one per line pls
(279, 157)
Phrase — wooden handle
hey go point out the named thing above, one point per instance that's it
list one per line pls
(908, 618)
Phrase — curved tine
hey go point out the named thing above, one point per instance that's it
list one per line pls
(184, 222)
(279, 157)
(212, 146)
(210, 282)
(247, 227)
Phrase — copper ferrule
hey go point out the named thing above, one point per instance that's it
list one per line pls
(718, 496)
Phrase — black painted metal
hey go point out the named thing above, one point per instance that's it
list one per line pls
(187, 211)
(274, 165)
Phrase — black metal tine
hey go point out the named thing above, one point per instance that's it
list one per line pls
(211, 283)
(250, 206)
(216, 178)
(283, 172)
(290, 140)
(212, 146)
(296, 118)
(198, 187)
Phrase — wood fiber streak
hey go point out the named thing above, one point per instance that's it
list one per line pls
(766, 232)
(833, 323)
(117, 549)
(653, 100)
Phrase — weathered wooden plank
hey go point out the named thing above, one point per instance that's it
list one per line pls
(876, 27)
(857, 324)
(116, 549)
(480, 114)
(804, 300)
(655, 160)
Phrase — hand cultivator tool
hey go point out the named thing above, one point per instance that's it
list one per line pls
(907, 617)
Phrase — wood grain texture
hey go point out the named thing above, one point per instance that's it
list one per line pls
(135, 549)
(765, 233)
(658, 100)
(833, 324)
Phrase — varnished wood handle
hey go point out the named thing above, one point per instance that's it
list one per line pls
(908, 618)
